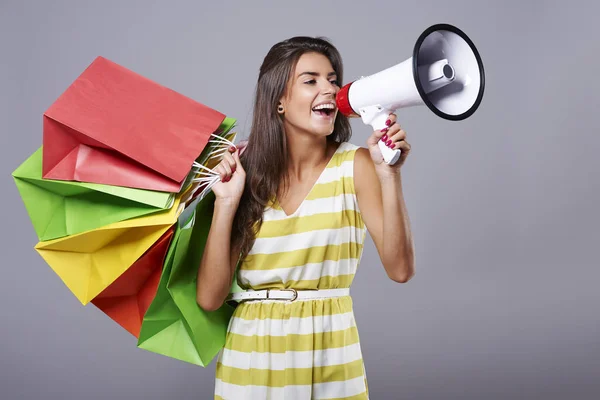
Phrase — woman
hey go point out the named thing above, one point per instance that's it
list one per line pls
(296, 205)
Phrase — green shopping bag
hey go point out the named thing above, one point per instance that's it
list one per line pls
(63, 208)
(175, 325)
(60, 208)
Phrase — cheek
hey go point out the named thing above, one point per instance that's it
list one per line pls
(304, 95)
(304, 102)
(301, 107)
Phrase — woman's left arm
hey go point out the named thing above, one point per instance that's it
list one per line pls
(381, 202)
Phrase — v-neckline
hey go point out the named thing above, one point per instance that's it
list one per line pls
(278, 206)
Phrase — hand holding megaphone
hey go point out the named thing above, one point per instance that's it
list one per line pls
(445, 73)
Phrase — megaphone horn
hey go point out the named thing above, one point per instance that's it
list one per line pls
(445, 73)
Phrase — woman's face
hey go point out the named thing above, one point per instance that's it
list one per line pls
(309, 105)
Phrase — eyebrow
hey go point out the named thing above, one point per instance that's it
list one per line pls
(316, 74)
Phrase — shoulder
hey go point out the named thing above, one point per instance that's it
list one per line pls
(365, 177)
(347, 147)
(346, 151)
(361, 155)
(361, 166)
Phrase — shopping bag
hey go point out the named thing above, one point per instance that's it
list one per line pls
(129, 296)
(62, 208)
(115, 127)
(90, 261)
(175, 325)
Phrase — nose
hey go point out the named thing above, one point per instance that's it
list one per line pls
(330, 88)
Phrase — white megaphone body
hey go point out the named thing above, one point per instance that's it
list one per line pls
(445, 73)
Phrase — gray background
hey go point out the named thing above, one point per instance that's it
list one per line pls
(503, 205)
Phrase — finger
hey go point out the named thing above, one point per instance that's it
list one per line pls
(402, 145)
(389, 133)
(391, 119)
(229, 160)
(375, 137)
(239, 146)
(392, 130)
(227, 169)
(378, 134)
(220, 169)
(400, 135)
(236, 158)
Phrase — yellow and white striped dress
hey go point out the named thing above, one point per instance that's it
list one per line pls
(305, 349)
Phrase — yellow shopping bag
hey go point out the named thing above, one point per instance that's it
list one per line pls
(89, 262)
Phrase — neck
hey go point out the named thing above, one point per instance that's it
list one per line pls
(306, 153)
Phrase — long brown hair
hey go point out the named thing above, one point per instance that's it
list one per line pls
(265, 157)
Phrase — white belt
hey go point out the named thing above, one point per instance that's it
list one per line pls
(287, 294)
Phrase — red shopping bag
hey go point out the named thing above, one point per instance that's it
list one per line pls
(115, 127)
(127, 299)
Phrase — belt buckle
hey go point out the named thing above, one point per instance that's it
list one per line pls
(285, 290)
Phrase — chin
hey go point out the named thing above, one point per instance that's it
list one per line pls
(321, 131)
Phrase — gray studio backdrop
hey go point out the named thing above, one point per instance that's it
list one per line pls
(505, 301)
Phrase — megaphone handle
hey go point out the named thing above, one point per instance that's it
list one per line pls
(375, 116)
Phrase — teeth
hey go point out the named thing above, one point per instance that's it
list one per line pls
(328, 106)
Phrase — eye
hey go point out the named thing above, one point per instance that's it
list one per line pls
(333, 82)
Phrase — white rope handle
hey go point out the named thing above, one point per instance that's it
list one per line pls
(207, 175)
(203, 170)
(221, 147)
(208, 184)
(207, 189)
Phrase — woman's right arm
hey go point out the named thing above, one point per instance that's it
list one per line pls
(219, 259)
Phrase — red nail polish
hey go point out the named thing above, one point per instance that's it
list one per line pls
(233, 169)
(384, 138)
(388, 122)
(384, 130)
(389, 142)
(232, 149)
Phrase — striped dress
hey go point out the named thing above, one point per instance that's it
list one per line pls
(306, 349)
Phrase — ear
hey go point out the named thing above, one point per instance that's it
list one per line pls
(281, 106)
(283, 101)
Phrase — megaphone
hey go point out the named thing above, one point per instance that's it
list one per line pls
(445, 73)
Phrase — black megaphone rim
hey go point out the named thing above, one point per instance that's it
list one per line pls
(432, 107)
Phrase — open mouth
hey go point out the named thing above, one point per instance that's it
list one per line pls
(324, 110)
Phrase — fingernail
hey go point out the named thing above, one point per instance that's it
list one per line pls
(384, 138)
(384, 130)
(232, 149)
(388, 122)
(233, 169)
(389, 142)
